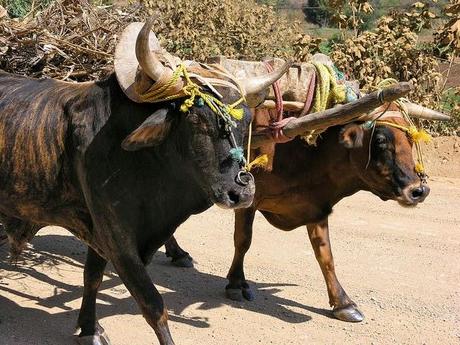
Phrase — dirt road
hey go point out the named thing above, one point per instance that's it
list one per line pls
(402, 267)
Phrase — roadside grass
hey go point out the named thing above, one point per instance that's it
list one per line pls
(21, 8)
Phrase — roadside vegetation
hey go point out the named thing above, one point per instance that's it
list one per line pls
(368, 40)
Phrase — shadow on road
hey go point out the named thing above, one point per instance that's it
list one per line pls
(185, 287)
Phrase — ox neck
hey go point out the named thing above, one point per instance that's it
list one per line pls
(343, 172)
(328, 164)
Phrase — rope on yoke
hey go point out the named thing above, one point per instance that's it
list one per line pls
(327, 91)
(310, 93)
(325, 87)
(277, 92)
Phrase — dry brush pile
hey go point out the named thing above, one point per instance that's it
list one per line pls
(69, 40)
(73, 40)
(197, 29)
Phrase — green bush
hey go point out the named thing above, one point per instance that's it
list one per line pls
(20, 8)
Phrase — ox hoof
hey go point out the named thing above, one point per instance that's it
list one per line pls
(101, 339)
(244, 293)
(350, 313)
(234, 294)
(248, 294)
(184, 261)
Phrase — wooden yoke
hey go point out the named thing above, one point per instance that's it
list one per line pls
(340, 114)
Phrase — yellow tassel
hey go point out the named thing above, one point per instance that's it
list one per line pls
(422, 135)
(188, 103)
(183, 108)
(419, 135)
(236, 113)
(259, 162)
(419, 169)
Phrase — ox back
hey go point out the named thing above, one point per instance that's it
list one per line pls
(38, 180)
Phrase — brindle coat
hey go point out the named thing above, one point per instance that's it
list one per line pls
(61, 163)
(307, 181)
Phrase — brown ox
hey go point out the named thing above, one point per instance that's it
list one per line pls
(307, 181)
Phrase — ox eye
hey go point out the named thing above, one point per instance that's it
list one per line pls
(193, 118)
(198, 123)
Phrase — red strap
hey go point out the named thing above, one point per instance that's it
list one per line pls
(277, 91)
(278, 122)
(310, 93)
(277, 130)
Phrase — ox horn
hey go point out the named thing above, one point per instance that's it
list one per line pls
(421, 112)
(148, 60)
(340, 114)
(255, 87)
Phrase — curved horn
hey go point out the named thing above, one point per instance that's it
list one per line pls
(255, 88)
(150, 64)
(421, 112)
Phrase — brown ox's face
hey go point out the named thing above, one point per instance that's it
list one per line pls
(390, 172)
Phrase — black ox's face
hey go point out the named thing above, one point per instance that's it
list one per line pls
(390, 172)
(204, 145)
(210, 151)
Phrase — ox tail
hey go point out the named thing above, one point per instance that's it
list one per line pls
(3, 236)
(18, 234)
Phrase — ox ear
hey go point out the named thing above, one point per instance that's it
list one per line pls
(150, 133)
(351, 136)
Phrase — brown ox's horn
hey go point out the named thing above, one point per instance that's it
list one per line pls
(255, 87)
(149, 62)
(336, 116)
(421, 112)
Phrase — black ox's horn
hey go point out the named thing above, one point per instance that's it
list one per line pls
(147, 59)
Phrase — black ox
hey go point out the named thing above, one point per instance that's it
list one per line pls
(119, 173)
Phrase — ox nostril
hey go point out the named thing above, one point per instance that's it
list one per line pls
(233, 197)
(417, 193)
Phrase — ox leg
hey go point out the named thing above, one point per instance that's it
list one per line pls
(237, 286)
(91, 332)
(343, 307)
(179, 257)
(136, 279)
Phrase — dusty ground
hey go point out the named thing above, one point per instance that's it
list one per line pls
(402, 267)
(442, 157)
